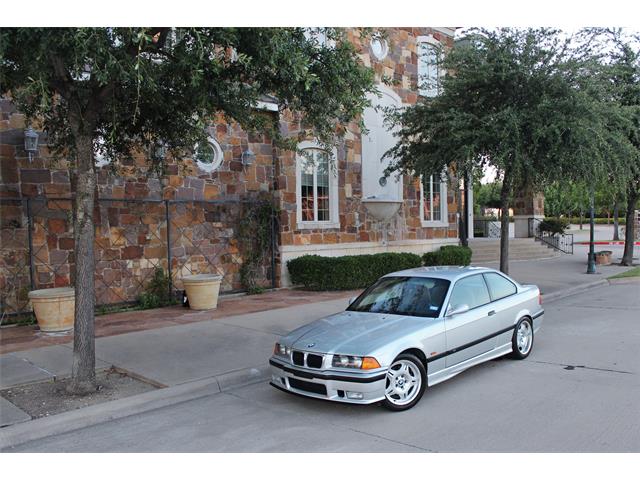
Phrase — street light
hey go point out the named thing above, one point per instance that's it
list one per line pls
(591, 265)
(30, 142)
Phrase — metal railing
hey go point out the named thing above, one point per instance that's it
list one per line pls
(133, 238)
(562, 242)
(486, 228)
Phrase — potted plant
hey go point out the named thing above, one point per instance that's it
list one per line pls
(603, 257)
(54, 308)
(202, 290)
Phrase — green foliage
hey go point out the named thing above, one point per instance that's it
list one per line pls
(144, 86)
(555, 226)
(347, 272)
(448, 255)
(254, 234)
(521, 101)
(156, 293)
(487, 195)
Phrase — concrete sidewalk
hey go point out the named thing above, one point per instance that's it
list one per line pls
(211, 355)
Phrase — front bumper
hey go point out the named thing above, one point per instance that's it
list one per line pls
(328, 385)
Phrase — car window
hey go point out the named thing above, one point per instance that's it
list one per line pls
(470, 291)
(499, 287)
(416, 296)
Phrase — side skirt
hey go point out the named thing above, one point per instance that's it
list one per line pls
(447, 373)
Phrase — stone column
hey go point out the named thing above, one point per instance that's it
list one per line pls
(526, 205)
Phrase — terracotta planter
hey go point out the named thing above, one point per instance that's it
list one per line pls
(54, 308)
(202, 291)
(603, 257)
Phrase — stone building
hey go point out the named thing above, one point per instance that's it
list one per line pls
(321, 202)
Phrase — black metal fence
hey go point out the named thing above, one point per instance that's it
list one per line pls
(133, 239)
(562, 242)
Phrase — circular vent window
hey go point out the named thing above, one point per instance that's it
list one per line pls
(208, 154)
(379, 47)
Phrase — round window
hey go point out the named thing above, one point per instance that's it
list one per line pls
(379, 47)
(208, 154)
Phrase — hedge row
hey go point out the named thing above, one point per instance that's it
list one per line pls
(597, 220)
(448, 255)
(347, 272)
(350, 272)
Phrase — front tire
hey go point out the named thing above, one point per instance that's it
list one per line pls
(522, 340)
(405, 383)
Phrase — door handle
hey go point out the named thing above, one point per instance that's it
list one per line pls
(491, 313)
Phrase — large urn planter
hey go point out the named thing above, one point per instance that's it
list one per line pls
(202, 290)
(54, 308)
(603, 257)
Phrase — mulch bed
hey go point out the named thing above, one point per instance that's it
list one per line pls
(50, 397)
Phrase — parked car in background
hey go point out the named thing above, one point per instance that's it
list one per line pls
(411, 329)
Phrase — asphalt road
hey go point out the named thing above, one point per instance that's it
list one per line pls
(577, 392)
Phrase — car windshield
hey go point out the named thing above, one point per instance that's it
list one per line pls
(416, 296)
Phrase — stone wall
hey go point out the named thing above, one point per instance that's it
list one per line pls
(127, 239)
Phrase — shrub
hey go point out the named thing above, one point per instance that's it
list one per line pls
(156, 293)
(554, 226)
(347, 272)
(448, 255)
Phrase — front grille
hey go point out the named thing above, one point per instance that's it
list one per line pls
(314, 361)
(307, 386)
(298, 358)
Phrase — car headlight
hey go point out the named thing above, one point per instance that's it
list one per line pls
(350, 361)
(281, 350)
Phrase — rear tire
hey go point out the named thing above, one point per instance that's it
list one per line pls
(405, 383)
(522, 340)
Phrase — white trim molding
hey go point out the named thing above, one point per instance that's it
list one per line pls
(444, 209)
(334, 213)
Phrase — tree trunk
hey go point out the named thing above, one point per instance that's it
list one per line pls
(629, 231)
(616, 234)
(84, 359)
(505, 194)
(581, 218)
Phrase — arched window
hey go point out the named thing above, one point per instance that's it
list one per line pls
(428, 50)
(317, 187)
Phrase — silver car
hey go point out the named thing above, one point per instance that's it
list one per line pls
(410, 329)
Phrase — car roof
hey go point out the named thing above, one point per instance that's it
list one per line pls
(447, 272)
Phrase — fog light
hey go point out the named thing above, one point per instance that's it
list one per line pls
(355, 395)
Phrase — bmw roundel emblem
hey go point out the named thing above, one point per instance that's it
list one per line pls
(311, 345)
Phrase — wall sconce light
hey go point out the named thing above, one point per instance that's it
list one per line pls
(248, 157)
(159, 150)
(30, 142)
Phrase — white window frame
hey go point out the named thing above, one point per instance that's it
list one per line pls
(334, 216)
(218, 155)
(444, 218)
(430, 40)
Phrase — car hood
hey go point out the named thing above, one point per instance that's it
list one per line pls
(353, 333)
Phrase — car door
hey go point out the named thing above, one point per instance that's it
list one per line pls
(463, 330)
(503, 302)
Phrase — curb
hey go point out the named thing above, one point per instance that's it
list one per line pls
(552, 297)
(623, 280)
(65, 422)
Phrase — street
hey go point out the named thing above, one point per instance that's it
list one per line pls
(577, 392)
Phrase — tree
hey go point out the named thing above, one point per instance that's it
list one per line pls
(139, 88)
(618, 53)
(518, 100)
(487, 195)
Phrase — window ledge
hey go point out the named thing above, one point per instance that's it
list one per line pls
(316, 225)
(429, 223)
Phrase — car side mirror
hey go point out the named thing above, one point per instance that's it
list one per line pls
(457, 310)
(352, 299)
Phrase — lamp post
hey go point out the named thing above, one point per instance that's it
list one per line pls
(591, 265)
(30, 142)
